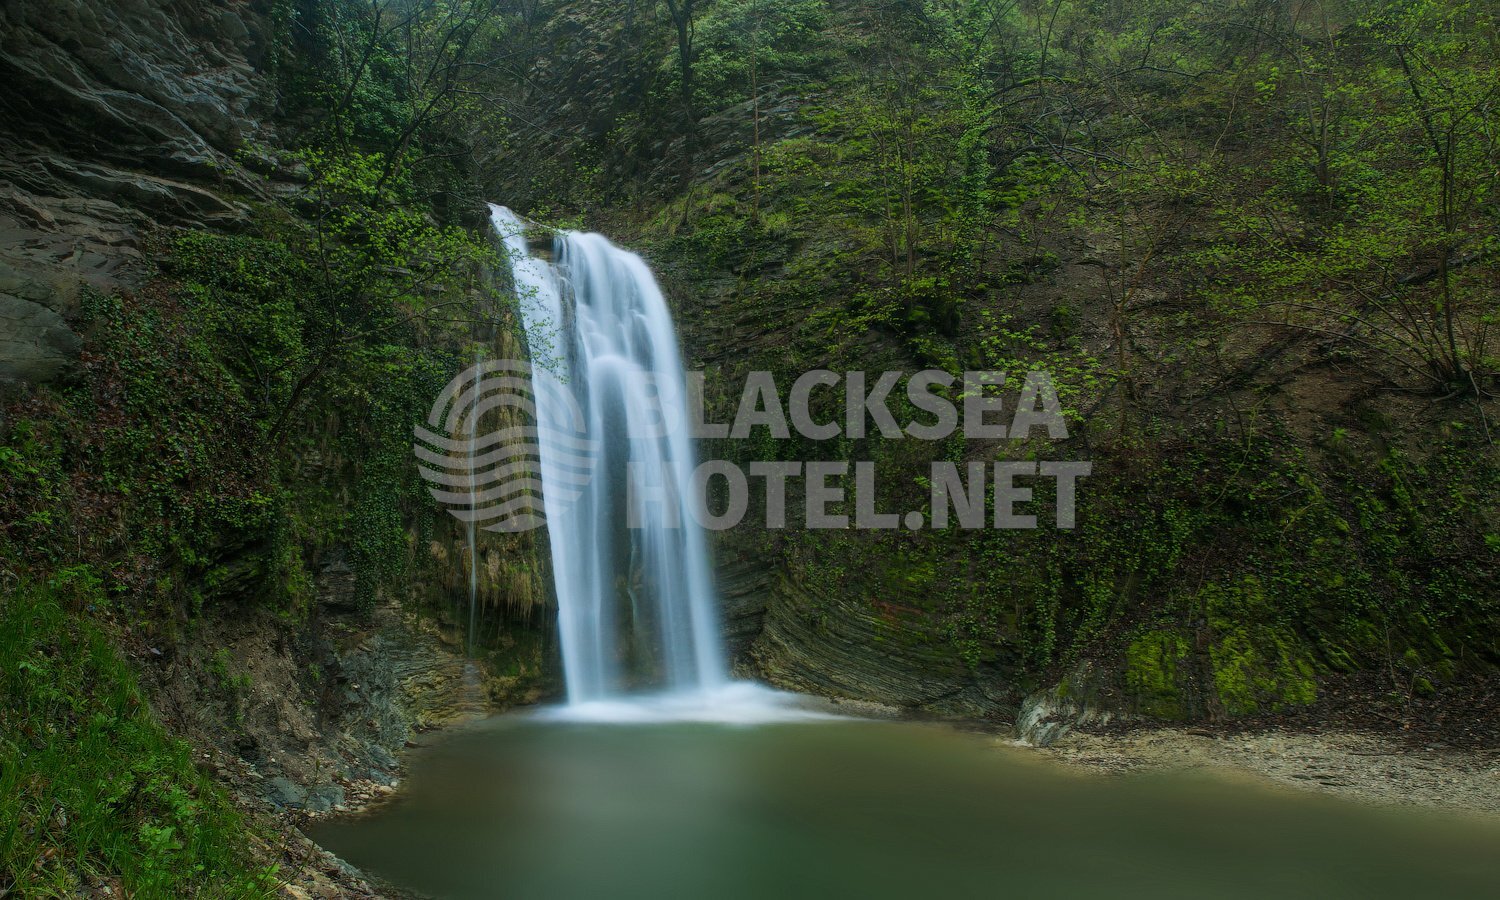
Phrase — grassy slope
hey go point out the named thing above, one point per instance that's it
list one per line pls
(95, 787)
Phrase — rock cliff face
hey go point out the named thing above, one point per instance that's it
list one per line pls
(830, 641)
(119, 116)
(114, 115)
(838, 644)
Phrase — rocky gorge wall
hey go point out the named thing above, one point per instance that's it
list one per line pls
(1270, 521)
(123, 127)
(114, 116)
(1264, 500)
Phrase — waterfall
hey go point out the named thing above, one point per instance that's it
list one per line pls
(636, 605)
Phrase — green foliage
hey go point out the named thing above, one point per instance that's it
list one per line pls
(176, 446)
(396, 81)
(1153, 206)
(151, 449)
(1153, 664)
(251, 294)
(90, 785)
(395, 387)
(245, 409)
(782, 40)
(32, 487)
(1257, 661)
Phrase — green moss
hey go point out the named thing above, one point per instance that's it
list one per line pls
(1153, 664)
(1248, 676)
(1256, 663)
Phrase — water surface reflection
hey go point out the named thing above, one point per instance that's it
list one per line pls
(520, 807)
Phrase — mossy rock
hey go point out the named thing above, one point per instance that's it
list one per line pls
(1257, 664)
(1154, 668)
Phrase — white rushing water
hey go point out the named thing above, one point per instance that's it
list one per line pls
(637, 610)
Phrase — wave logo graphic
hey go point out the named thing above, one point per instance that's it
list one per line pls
(495, 477)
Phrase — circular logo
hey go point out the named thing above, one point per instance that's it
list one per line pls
(496, 477)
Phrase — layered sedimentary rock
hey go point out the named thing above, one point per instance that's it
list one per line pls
(835, 643)
(115, 115)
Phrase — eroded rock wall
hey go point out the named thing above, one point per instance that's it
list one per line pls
(829, 640)
(114, 115)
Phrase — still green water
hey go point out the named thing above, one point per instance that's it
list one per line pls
(524, 808)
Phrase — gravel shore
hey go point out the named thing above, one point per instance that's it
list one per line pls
(1358, 766)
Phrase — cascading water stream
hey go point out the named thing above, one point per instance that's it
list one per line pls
(636, 604)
